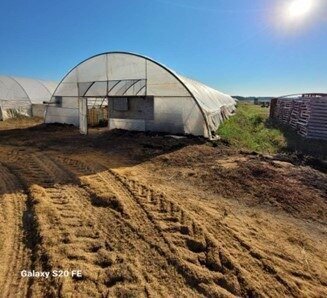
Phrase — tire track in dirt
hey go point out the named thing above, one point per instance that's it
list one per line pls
(263, 268)
(15, 255)
(96, 245)
(247, 255)
(271, 273)
(29, 169)
(40, 174)
(125, 209)
(270, 265)
(196, 251)
(86, 243)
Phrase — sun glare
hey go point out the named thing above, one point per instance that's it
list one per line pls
(299, 8)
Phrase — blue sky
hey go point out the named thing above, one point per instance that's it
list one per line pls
(241, 47)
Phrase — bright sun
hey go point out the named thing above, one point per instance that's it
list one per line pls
(299, 8)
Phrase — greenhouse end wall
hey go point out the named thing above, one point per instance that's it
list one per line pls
(21, 96)
(181, 105)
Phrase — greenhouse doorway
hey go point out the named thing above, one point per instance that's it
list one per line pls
(93, 113)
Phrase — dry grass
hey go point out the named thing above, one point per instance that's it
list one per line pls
(19, 123)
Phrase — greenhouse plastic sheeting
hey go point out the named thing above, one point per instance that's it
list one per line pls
(38, 91)
(17, 95)
(181, 105)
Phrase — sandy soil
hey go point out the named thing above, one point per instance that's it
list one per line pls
(149, 215)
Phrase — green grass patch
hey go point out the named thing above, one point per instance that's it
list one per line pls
(252, 129)
(248, 130)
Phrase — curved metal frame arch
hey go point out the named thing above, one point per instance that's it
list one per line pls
(13, 78)
(45, 87)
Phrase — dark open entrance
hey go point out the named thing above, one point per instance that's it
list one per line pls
(97, 112)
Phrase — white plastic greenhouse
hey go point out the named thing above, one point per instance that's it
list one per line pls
(141, 94)
(24, 96)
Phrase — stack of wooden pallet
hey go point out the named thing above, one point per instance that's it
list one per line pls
(288, 105)
(303, 121)
(295, 114)
(306, 114)
(283, 110)
(317, 127)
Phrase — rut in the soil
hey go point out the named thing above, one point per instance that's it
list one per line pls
(29, 170)
(65, 218)
(128, 221)
(16, 255)
(199, 258)
(194, 253)
(249, 263)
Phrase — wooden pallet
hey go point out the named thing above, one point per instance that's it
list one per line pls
(306, 115)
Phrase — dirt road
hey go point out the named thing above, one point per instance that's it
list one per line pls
(145, 215)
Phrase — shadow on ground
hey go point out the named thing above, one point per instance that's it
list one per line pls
(119, 148)
(299, 150)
